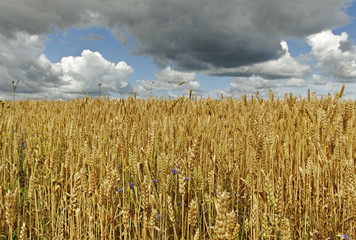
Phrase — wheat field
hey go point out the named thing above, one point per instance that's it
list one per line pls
(185, 168)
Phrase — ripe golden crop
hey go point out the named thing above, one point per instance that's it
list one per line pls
(179, 169)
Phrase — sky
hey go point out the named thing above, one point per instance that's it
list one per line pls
(64, 49)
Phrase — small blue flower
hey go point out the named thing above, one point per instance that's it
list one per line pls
(155, 180)
(159, 216)
(235, 193)
(187, 178)
(345, 236)
(20, 159)
(132, 185)
(174, 171)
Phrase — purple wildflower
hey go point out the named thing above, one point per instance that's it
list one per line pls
(345, 236)
(174, 171)
(187, 178)
(155, 180)
(23, 144)
(132, 185)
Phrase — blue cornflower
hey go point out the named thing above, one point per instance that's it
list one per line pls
(159, 216)
(132, 185)
(174, 171)
(155, 180)
(121, 189)
(344, 236)
(23, 144)
(187, 178)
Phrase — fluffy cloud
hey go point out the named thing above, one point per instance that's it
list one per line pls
(21, 59)
(335, 55)
(241, 85)
(191, 35)
(169, 80)
(86, 71)
(317, 80)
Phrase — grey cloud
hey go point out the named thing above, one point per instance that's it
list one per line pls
(347, 46)
(40, 16)
(185, 34)
(20, 61)
(200, 34)
(283, 67)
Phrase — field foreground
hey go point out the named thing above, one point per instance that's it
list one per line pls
(178, 169)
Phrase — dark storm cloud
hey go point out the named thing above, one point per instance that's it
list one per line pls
(40, 16)
(186, 34)
(203, 34)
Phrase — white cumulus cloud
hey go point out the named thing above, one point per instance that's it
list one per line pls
(335, 55)
(169, 80)
(22, 59)
(86, 71)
